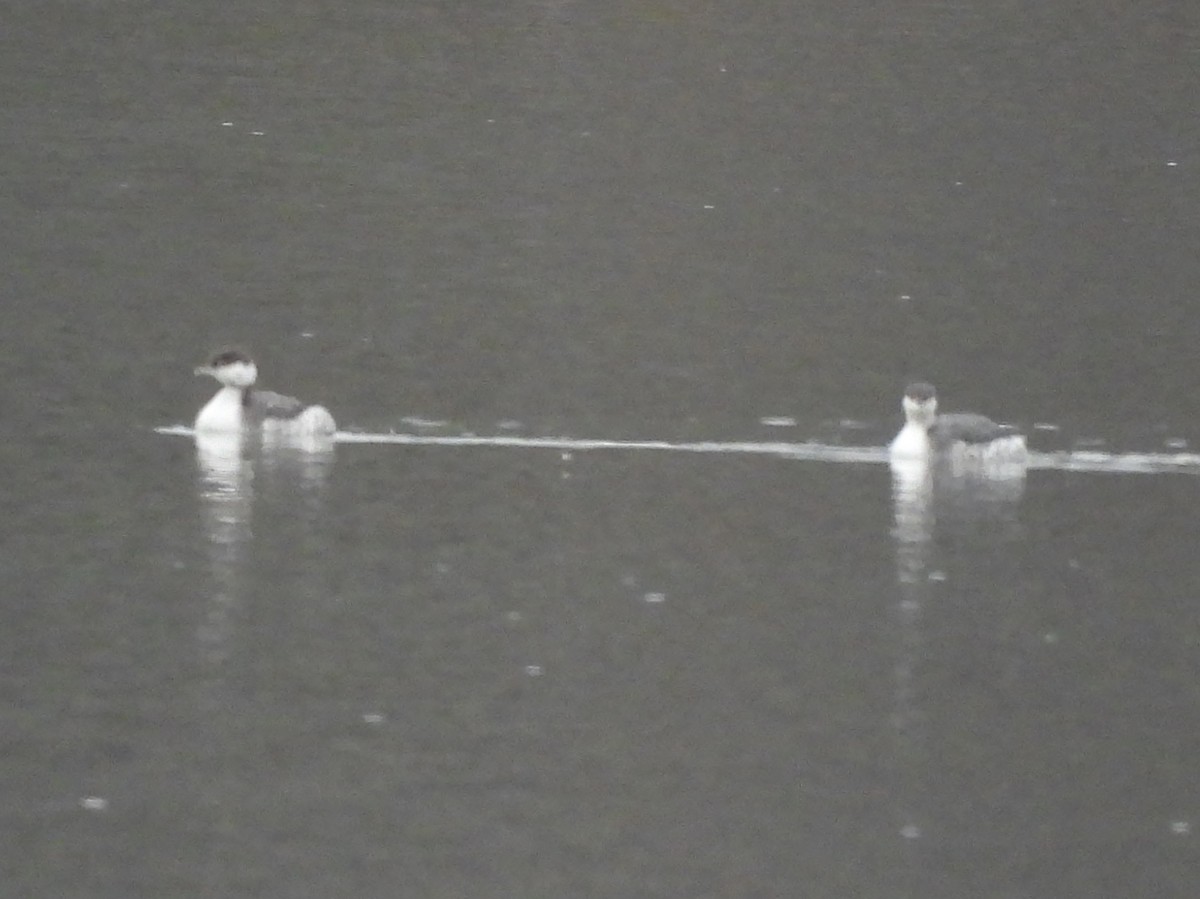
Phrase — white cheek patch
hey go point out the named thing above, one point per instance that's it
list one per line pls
(239, 374)
(923, 410)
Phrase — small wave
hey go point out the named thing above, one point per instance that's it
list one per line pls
(417, 422)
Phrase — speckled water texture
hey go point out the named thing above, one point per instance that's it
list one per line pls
(446, 656)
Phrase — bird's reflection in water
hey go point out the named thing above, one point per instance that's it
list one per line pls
(230, 468)
(948, 494)
(934, 498)
(226, 488)
(233, 472)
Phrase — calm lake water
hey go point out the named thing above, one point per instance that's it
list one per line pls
(429, 671)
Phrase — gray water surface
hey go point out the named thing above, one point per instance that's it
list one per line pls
(534, 672)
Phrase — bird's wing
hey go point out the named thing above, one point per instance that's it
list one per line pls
(268, 404)
(968, 428)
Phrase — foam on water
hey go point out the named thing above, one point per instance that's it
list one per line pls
(1079, 460)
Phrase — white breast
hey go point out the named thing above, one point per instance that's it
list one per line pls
(911, 443)
(222, 413)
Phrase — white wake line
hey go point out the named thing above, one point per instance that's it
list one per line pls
(1117, 463)
(816, 451)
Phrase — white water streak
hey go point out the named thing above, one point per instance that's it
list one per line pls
(1118, 463)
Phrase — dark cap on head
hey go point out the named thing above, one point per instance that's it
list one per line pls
(920, 391)
(228, 357)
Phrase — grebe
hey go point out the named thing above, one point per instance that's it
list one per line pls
(926, 434)
(239, 405)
